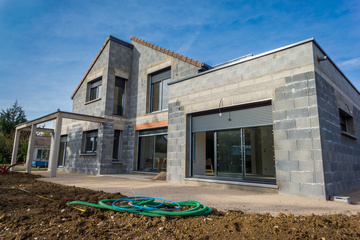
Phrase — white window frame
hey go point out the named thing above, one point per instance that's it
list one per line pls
(94, 87)
(88, 135)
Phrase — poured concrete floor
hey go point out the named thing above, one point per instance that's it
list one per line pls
(221, 198)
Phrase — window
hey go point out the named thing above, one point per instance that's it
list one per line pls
(116, 145)
(346, 122)
(119, 96)
(90, 141)
(159, 92)
(95, 90)
(40, 154)
(152, 150)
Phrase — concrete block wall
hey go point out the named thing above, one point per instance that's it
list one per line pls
(96, 108)
(145, 58)
(176, 152)
(341, 153)
(120, 58)
(144, 61)
(297, 140)
(75, 161)
(114, 57)
(285, 76)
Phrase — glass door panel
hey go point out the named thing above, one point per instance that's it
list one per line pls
(229, 154)
(160, 152)
(259, 155)
(146, 153)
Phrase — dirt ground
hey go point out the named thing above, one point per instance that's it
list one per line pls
(27, 215)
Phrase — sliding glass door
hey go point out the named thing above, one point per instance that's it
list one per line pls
(152, 151)
(228, 153)
(243, 153)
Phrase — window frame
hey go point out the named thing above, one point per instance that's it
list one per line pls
(122, 114)
(95, 85)
(346, 124)
(87, 136)
(162, 81)
(118, 138)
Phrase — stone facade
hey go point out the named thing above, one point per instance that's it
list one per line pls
(312, 157)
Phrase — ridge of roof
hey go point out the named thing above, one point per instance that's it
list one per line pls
(168, 52)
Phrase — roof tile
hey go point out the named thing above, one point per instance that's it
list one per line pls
(168, 52)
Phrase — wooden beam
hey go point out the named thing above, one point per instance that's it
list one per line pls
(53, 116)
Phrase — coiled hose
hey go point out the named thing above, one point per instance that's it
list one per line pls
(148, 206)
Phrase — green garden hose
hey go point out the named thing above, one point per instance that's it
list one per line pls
(148, 207)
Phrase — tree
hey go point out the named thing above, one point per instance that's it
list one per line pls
(11, 117)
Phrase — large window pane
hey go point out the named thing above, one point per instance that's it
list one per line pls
(259, 154)
(159, 95)
(245, 153)
(95, 90)
(90, 141)
(229, 154)
(155, 103)
(165, 95)
(203, 160)
(146, 153)
(116, 145)
(160, 152)
(152, 155)
(119, 96)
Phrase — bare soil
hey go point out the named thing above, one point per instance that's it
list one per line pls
(32, 215)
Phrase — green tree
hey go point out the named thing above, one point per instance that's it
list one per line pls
(11, 117)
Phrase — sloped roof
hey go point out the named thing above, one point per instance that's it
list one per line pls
(42, 140)
(147, 44)
(168, 52)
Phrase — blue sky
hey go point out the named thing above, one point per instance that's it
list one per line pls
(47, 46)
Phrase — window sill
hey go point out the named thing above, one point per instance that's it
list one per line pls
(166, 110)
(87, 154)
(348, 135)
(92, 101)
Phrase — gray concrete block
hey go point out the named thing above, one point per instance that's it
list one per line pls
(302, 177)
(285, 124)
(287, 165)
(299, 133)
(297, 113)
(283, 105)
(301, 155)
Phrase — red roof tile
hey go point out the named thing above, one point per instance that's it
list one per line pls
(168, 52)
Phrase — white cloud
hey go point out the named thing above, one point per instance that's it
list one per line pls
(355, 62)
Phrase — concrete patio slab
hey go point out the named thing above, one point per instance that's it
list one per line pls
(223, 199)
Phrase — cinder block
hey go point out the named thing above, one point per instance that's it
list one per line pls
(287, 144)
(313, 190)
(283, 105)
(304, 144)
(299, 133)
(287, 165)
(301, 155)
(302, 102)
(302, 177)
(285, 124)
(281, 155)
(280, 135)
(297, 113)
(303, 123)
(307, 166)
